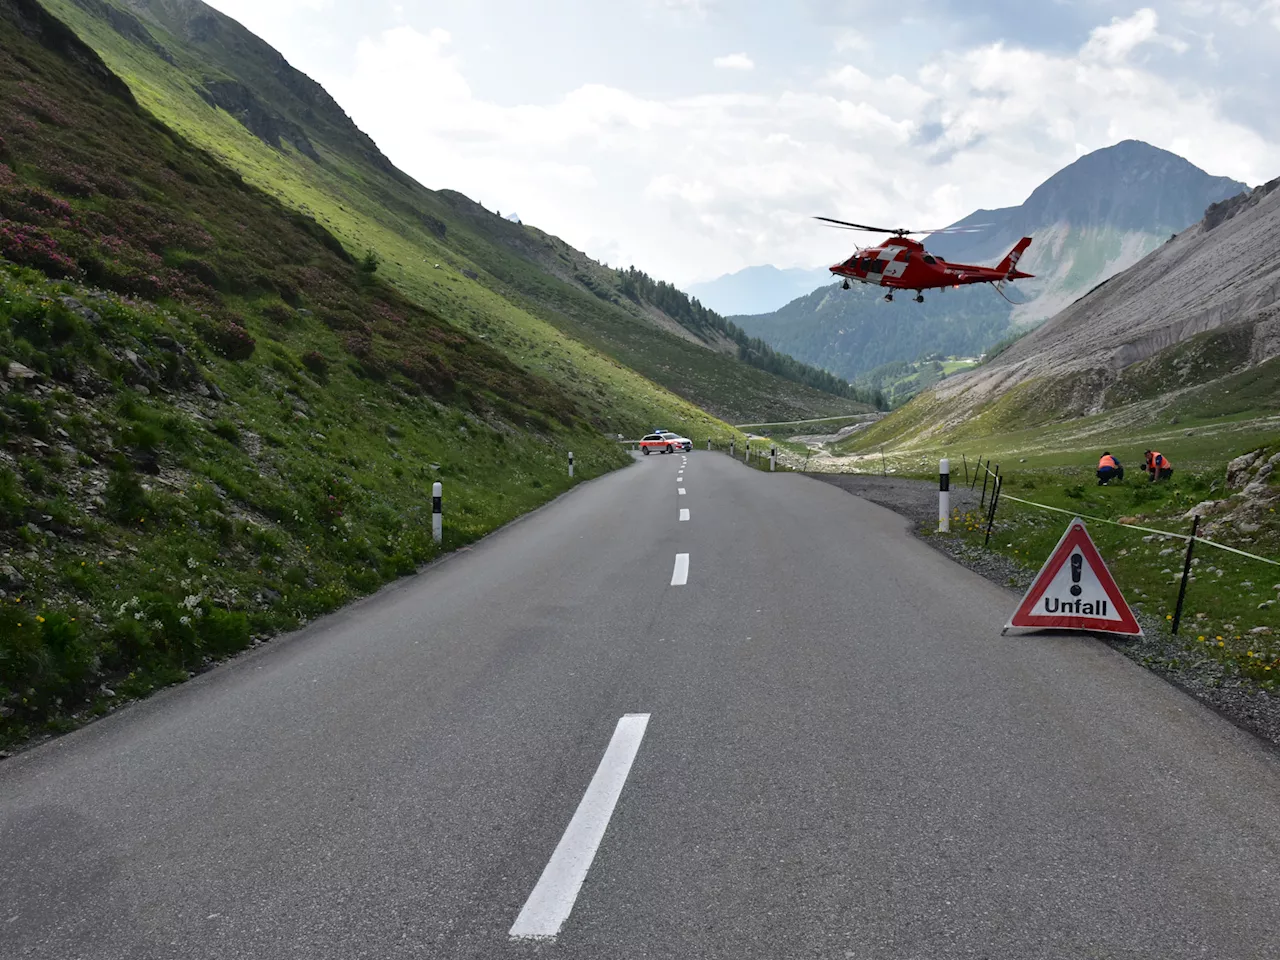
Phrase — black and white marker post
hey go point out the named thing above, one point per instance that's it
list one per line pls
(944, 496)
(570, 464)
(731, 444)
(708, 444)
(437, 518)
(773, 457)
(747, 458)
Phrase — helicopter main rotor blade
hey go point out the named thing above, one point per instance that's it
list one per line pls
(902, 231)
(858, 226)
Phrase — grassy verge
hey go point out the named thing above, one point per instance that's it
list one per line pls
(144, 536)
(1230, 613)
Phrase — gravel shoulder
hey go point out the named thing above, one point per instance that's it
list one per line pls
(1212, 683)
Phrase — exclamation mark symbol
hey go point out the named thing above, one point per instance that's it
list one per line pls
(1077, 567)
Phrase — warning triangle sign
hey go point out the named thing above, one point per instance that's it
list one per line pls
(1074, 590)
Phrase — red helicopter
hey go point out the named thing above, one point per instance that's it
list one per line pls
(900, 263)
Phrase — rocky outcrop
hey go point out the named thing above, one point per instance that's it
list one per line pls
(269, 127)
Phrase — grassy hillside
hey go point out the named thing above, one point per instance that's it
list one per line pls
(232, 94)
(215, 422)
(852, 332)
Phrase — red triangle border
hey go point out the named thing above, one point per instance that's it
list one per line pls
(1075, 536)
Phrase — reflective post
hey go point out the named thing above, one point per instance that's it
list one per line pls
(944, 496)
(437, 517)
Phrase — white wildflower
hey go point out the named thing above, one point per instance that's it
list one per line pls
(192, 563)
(139, 615)
(185, 621)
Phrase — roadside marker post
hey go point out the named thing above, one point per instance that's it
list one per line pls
(708, 444)
(570, 464)
(1074, 590)
(1186, 571)
(437, 517)
(944, 495)
(773, 458)
(731, 443)
(747, 459)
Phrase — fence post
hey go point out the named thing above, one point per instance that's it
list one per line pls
(975, 472)
(995, 499)
(570, 464)
(985, 474)
(944, 495)
(964, 460)
(437, 518)
(773, 458)
(884, 470)
(1186, 570)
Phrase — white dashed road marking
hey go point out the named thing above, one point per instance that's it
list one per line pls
(680, 575)
(682, 491)
(684, 515)
(556, 891)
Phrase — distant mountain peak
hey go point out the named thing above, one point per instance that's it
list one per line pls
(1090, 220)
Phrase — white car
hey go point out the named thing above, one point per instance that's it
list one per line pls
(664, 441)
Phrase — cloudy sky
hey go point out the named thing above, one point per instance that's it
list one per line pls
(696, 137)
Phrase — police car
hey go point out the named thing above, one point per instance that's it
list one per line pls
(664, 441)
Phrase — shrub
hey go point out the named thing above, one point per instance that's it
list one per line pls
(227, 430)
(280, 313)
(126, 501)
(13, 504)
(228, 338)
(317, 363)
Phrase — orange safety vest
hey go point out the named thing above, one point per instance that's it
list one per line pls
(1108, 461)
(1158, 461)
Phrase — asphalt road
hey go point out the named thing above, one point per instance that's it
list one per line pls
(842, 759)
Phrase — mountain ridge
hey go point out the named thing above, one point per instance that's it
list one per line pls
(1075, 246)
(1192, 331)
(285, 134)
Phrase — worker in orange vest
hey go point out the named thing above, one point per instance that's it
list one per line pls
(1109, 469)
(1158, 466)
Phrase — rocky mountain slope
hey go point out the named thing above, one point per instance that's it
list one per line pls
(1191, 331)
(226, 90)
(1089, 221)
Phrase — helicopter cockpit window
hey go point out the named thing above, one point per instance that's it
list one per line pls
(929, 259)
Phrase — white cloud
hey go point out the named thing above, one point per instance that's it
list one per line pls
(1114, 43)
(734, 61)
(692, 186)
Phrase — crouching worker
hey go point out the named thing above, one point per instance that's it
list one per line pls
(1109, 469)
(1158, 466)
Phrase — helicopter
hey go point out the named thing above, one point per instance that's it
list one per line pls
(900, 263)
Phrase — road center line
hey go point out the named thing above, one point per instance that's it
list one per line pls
(556, 891)
(680, 575)
(682, 491)
(684, 515)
